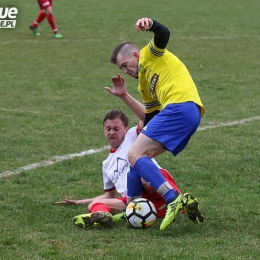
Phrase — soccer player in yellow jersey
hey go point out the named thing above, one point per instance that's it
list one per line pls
(173, 110)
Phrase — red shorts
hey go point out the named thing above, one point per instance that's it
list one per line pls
(44, 3)
(124, 199)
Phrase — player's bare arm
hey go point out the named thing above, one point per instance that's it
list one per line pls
(108, 195)
(73, 202)
(120, 90)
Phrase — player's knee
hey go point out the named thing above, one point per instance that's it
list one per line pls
(48, 10)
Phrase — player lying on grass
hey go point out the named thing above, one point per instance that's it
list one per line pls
(115, 169)
(173, 110)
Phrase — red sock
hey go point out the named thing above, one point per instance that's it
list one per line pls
(52, 23)
(100, 207)
(39, 18)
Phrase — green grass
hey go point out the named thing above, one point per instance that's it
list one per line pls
(52, 103)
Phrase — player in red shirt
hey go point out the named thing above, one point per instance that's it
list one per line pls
(46, 11)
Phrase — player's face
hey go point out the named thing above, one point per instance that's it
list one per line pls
(115, 131)
(129, 65)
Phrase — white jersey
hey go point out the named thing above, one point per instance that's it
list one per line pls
(116, 166)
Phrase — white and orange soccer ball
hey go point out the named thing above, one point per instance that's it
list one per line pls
(141, 213)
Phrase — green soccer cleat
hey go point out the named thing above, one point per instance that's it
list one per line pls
(172, 209)
(192, 209)
(58, 35)
(119, 216)
(92, 219)
(34, 30)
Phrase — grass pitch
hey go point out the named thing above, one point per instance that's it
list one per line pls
(52, 103)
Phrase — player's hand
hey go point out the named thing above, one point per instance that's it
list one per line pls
(143, 24)
(60, 202)
(119, 87)
(72, 202)
(66, 202)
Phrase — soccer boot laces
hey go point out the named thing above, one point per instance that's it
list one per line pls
(172, 209)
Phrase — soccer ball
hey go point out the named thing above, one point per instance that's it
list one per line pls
(141, 213)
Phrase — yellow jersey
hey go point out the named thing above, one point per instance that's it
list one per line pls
(164, 79)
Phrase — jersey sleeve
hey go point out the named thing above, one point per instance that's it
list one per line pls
(161, 34)
(155, 51)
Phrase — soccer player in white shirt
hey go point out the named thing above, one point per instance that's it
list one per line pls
(115, 169)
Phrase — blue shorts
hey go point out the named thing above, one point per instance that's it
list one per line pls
(174, 126)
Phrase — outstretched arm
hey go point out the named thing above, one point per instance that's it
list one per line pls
(119, 90)
(108, 195)
(161, 32)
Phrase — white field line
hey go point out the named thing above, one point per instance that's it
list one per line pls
(221, 37)
(51, 41)
(53, 160)
(56, 159)
(240, 122)
(227, 37)
(19, 111)
(32, 112)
